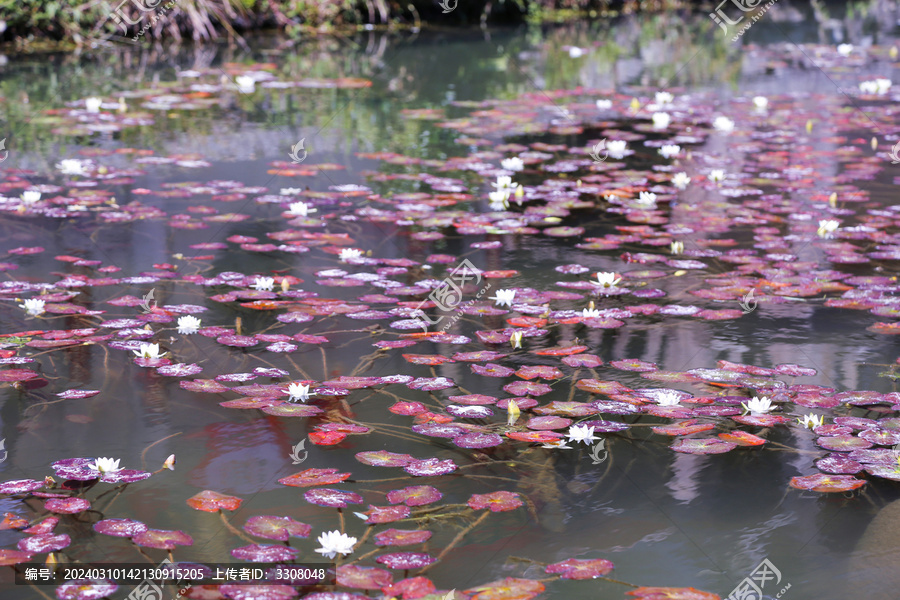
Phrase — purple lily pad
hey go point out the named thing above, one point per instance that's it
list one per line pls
(402, 537)
(66, 506)
(702, 446)
(383, 458)
(431, 383)
(332, 498)
(276, 528)
(86, 589)
(478, 440)
(119, 527)
(416, 495)
(45, 542)
(439, 430)
(839, 464)
(405, 560)
(363, 578)
(469, 412)
(179, 370)
(265, 553)
(430, 467)
(75, 394)
(527, 388)
(843, 443)
(20, 486)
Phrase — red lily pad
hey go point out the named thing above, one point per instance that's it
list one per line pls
(402, 537)
(13, 521)
(210, 501)
(386, 514)
(539, 371)
(13, 557)
(206, 386)
(415, 495)
(499, 501)
(742, 438)
(289, 409)
(276, 528)
(761, 420)
(510, 588)
(326, 438)
(311, 477)
(427, 359)
(587, 361)
(633, 364)
(492, 370)
(363, 578)
(45, 526)
(575, 568)
(821, 482)
(164, 539)
(548, 423)
(683, 428)
(408, 589)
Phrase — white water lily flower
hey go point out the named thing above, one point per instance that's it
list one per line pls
(188, 324)
(575, 52)
(298, 391)
(845, 49)
(604, 104)
(758, 406)
(661, 120)
(582, 433)
(760, 102)
(827, 227)
(150, 351)
(107, 465)
(664, 98)
(812, 420)
(590, 313)
(606, 280)
(93, 104)
(868, 87)
(245, 84)
(676, 247)
(884, 85)
(334, 543)
(723, 123)
(33, 306)
(681, 180)
(300, 208)
(30, 196)
(290, 191)
(504, 297)
(646, 200)
(668, 398)
(616, 148)
(170, 463)
(515, 339)
(556, 445)
(350, 254)
(499, 199)
(717, 175)
(512, 164)
(670, 150)
(71, 166)
(504, 182)
(264, 284)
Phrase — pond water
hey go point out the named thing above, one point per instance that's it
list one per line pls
(181, 191)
